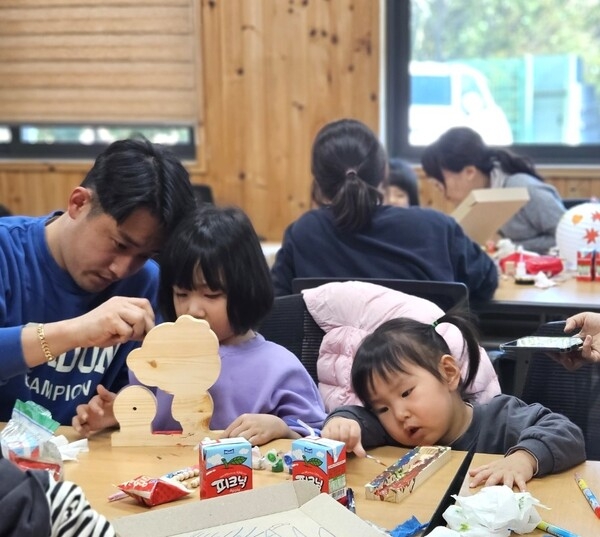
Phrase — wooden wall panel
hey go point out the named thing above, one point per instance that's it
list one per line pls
(99, 62)
(273, 73)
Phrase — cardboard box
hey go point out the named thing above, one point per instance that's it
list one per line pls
(484, 211)
(225, 467)
(406, 474)
(321, 461)
(294, 508)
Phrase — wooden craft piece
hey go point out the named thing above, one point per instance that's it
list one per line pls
(182, 359)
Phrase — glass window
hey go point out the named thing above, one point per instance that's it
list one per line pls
(70, 141)
(524, 73)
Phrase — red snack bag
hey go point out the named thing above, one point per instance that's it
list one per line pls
(547, 264)
(152, 491)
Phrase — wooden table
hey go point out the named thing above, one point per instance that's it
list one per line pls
(104, 466)
(568, 294)
(517, 310)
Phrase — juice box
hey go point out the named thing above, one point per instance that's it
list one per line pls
(407, 473)
(586, 264)
(321, 461)
(225, 467)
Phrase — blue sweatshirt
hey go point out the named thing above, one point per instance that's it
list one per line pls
(34, 288)
(402, 243)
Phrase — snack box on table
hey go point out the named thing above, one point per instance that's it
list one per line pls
(290, 508)
(225, 467)
(407, 473)
(321, 461)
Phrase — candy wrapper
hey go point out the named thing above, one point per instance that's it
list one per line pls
(26, 439)
(152, 491)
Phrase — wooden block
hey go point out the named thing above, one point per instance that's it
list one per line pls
(406, 474)
(180, 358)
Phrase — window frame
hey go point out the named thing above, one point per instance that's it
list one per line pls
(16, 149)
(397, 88)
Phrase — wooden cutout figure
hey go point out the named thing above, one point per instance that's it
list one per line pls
(182, 359)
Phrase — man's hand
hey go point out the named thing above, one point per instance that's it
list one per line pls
(259, 429)
(97, 414)
(118, 320)
(345, 430)
(512, 471)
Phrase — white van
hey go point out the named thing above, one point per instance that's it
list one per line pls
(445, 95)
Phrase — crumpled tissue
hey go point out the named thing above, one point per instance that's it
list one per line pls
(542, 281)
(493, 511)
(69, 450)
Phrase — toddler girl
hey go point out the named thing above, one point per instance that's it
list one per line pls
(412, 390)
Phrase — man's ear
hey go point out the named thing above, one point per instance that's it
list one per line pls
(470, 172)
(80, 202)
(450, 371)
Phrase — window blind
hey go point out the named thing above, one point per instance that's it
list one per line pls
(118, 61)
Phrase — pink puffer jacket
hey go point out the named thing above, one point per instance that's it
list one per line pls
(348, 311)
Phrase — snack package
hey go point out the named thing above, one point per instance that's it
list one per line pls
(152, 491)
(26, 439)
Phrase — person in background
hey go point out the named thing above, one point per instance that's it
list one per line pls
(213, 268)
(33, 503)
(459, 161)
(402, 189)
(353, 234)
(5, 211)
(413, 395)
(78, 286)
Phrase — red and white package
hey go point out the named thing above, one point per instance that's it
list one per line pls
(152, 491)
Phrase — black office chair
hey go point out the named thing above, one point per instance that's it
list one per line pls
(291, 325)
(203, 194)
(576, 394)
(446, 295)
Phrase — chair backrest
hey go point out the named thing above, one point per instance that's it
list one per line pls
(576, 394)
(203, 194)
(572, 202)
(291, 325)
(445, 294)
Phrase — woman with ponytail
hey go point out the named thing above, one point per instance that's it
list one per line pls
(352, 234)
(459, 161)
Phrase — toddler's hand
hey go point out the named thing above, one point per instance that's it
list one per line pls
(345, 430)
(97, 414)
(512, 471)
(258, 429)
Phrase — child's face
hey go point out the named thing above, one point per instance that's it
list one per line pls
(416, 408)
(397, 197)
(203, 303)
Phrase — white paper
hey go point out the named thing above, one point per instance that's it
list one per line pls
(69, 450)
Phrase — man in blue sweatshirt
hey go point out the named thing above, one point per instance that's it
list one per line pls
(78, 287)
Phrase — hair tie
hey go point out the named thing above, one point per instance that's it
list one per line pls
(351, 172)
(435, 323)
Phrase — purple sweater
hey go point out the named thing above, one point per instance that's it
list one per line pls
(257, 377)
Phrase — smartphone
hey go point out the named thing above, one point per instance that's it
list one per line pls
(544, 344)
